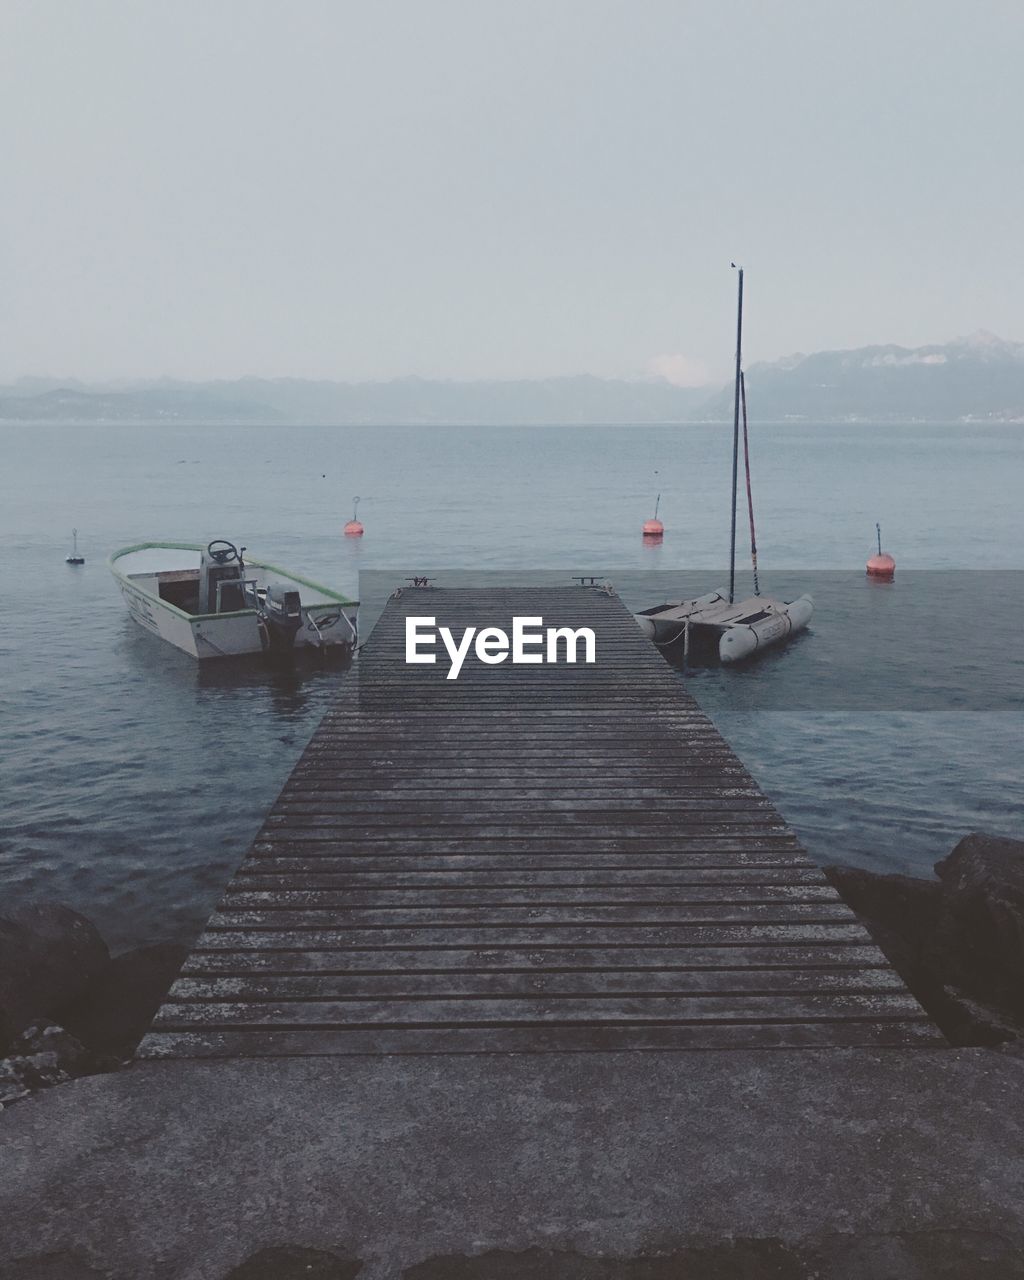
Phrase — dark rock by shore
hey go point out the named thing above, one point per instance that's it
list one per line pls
(48, 955)
(44, 1054)
(958, 941)
(983, 888)
(66, 1007)
(113, 1011)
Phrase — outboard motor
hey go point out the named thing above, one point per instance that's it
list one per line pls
(281, 614)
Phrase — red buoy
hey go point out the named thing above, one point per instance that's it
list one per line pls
(881, 566)
(653, 528)
(354, 528)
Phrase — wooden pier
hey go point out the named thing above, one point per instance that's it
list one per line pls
(529, 858)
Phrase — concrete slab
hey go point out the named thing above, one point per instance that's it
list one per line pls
(185, 1169)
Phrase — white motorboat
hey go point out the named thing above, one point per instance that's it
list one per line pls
(718, 623)
(211, 603)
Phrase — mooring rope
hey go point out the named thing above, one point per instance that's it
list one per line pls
(750, 497)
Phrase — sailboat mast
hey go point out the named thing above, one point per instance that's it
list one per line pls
(736, 435)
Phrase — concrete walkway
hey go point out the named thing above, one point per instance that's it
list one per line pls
(855, 1158)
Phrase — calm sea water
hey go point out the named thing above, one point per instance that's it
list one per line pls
(134, 780)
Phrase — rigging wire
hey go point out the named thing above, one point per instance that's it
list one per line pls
(750, 496)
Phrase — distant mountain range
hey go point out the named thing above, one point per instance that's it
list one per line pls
(980, 378)
(414, 401)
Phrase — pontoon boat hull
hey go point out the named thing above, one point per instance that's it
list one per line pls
(743, 640)
(736, 631)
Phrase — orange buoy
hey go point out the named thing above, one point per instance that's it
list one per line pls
(653, 528)
(881, 565)
(354, 528)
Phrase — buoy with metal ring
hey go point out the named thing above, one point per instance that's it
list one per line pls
(354, 528)
(74, 557)
(881, 565)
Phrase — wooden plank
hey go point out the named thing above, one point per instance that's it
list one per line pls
(531, 982)
(751, 847)
(431, 901)
(810, 954)
(717, 933)
(823, 1034)
(638, 826)
(554, 793)
(776, 849)
(536, 809)
(452, 963)
(607, 1007)
(269, 873)
(558, 917)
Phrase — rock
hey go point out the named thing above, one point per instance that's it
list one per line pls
(958, 942)
(902, 915)
(7, 1032)
(14, 1081)
(43, 1055)
(15, 981)
(114, 1010)
(291, 1262)
(983, 904)
(47, 955)
(903, 910)
(45, 1037)
(981, 1022)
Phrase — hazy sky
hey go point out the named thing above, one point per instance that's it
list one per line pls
(467, 188)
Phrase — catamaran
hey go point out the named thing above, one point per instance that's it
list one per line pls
(209, 602)
(737, 629)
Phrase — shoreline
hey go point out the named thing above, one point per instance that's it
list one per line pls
(653, 1164)
(70, 1009)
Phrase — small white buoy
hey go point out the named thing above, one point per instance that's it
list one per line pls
(74, 557)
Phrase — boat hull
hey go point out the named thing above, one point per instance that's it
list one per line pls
(743, 640)
(159, 619)
(665, 623)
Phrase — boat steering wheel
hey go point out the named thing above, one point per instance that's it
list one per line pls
(221, 551)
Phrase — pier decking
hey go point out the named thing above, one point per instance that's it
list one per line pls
(527, 858)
